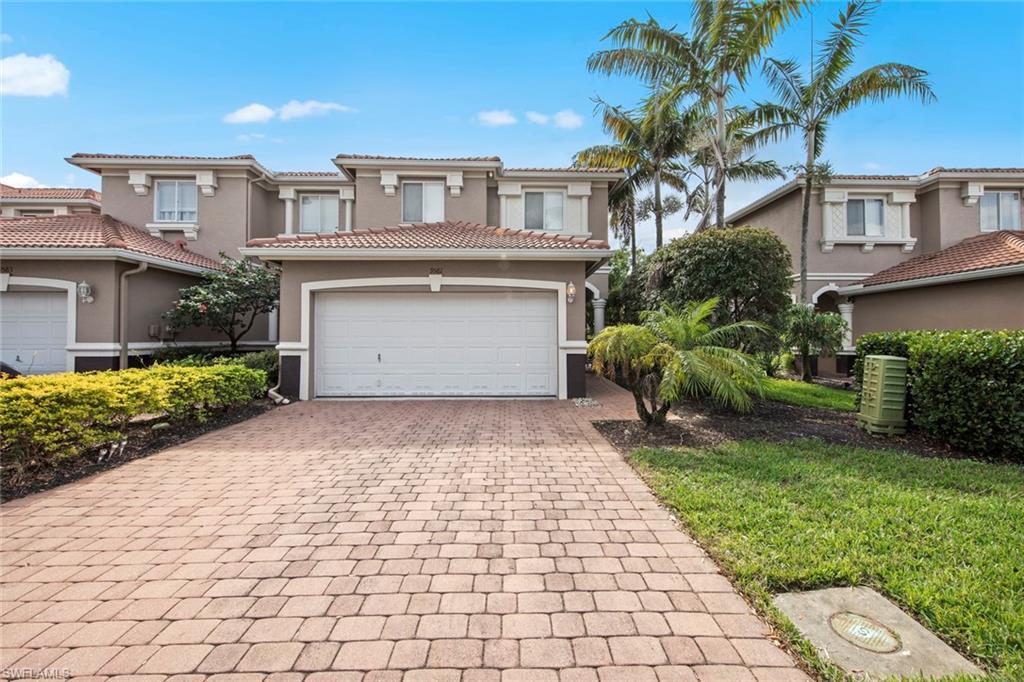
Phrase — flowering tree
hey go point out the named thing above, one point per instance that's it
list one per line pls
(228, 300)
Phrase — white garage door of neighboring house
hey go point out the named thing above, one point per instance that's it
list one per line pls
(33, 331)
(436, 344)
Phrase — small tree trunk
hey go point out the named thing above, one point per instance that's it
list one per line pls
(805, 359)
(657, 209)
(632, 235)
(722, 142)
(641, 406)
(805, 216)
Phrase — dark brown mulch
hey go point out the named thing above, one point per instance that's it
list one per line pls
(143, 441)
(706, 426)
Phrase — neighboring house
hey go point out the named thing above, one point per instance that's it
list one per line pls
(400, 276)
(20, 202)
(861, 225)
(73, 286)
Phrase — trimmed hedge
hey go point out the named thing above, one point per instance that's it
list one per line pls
(49, 417)
(266, 360)
(963, 387)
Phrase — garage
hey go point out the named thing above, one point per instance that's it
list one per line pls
(436, 344)
(33, 331)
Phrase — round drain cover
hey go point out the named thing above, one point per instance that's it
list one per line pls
(864, 632)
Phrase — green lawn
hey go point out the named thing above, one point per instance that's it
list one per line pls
(809, 395)
(943, 538)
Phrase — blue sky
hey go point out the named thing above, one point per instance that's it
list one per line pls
(414, 78)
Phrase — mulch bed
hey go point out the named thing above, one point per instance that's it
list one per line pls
(143, 441)
(701, 426)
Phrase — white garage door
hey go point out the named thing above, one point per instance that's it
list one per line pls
(33, 331)
(436, 344)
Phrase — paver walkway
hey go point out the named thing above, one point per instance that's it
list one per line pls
(375, 541)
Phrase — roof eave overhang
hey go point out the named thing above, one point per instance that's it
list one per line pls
(96, 164)
(952, 278)
(328, 253)
(94, 253)
(32, 201)
(609, 176)
(344, 163)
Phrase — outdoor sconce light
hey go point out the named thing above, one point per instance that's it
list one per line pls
(85, 292)
(570, 292)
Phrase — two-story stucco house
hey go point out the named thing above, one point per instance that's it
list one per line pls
(870, 237)
(400, 276)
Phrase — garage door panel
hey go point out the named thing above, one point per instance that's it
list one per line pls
(436, 344)
(33, 331)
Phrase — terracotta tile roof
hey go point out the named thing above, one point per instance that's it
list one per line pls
(941, 169)
(309, 174)
(446, 235)
(418, 158)
(6, 191)
(873, 177)
(92, 231)
(151, 157)
(569, 169)
(991, 250)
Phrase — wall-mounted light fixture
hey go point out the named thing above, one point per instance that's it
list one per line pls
(570, 292)
(85, 292)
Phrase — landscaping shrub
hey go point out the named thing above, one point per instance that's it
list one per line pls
(266, 360)
(963, 387)
(49, 417)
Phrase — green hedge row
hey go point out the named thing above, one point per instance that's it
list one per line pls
(964, 387)
(49, 417)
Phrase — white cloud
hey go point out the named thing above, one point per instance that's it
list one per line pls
(29, 76)
(539, 119)
(250, 113)
(20, 180)
(6, 38)
(872, 166)
(496, 118)
(568, 119)
(250, 137)
(261, 113)
(311, 107)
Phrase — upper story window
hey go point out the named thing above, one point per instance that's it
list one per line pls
(176, 201)
(865, 217)
(422, 202)
(544, 211)
(318, 213)
(1000, 211)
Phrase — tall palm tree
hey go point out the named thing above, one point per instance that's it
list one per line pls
(728, 38)
(674, 355)
(807, 106)
(648, 145)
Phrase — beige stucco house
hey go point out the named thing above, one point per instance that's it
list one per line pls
(400, 276)
(25, 202)
(861, 225)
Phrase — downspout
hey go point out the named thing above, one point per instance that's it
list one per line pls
(122, 323)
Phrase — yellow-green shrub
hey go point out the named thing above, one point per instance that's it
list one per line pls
(49, 417)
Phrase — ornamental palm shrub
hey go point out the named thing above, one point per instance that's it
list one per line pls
(674, 354)
(812, 333)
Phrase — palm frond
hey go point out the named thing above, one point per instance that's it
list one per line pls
(878, 83)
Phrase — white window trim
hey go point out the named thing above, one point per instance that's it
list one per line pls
(319, 195)
(177, 210)
(997, 228)
(543, 190)
(424, 182)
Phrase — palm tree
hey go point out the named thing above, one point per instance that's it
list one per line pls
(674, 355)
(648, 145)
(728, 38)
(813, 333)
(807, 107)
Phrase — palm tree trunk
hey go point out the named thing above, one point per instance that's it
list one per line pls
(631, 217)
(805, 217)
(720, 166)
(657, 208)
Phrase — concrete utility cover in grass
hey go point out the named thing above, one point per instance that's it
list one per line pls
(867, 635)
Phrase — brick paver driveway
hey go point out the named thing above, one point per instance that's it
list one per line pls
(416, 540)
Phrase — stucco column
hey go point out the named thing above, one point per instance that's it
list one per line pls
(846, 310)
(348, 214)
(289, 218)
(599, 304)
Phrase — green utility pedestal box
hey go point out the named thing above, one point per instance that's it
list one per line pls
(882, 396)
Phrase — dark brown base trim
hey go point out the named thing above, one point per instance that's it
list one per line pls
(575, 375)
(291, 369)
(100, 364)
